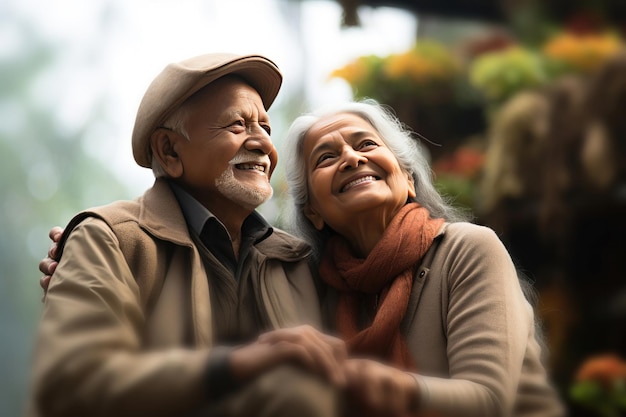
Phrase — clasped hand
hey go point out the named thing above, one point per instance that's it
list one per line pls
(371, 387)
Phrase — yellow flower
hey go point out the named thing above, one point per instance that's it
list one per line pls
(420, 71)
(426, 60)
(354, 72)
(584, 52)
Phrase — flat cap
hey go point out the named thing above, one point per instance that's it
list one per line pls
(179, 81)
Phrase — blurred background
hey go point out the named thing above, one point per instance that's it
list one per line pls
(521, 104)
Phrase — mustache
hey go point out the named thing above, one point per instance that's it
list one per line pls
(251, 157)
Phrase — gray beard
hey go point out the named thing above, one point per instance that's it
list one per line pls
(250, 197)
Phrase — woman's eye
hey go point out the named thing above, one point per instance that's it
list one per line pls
(323, 157)
(366, 144)
(267, 128)
(238, 123)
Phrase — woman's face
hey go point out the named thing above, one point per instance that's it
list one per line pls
(351, 171)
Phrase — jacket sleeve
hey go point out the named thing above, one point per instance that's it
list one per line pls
(89, 358)
(487, 322)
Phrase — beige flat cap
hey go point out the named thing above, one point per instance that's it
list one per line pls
(179, 81)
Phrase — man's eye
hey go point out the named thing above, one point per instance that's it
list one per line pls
(267, 128)
(238, 123)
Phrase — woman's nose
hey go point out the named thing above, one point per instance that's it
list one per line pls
(351, 158)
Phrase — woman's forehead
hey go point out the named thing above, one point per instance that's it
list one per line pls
(345, 123)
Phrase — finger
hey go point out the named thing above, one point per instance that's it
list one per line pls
(305, 334)
(375, 385)
(330, 352)
(372, 391)
(47, 266)
(340, 350)
(249, 361)
(292, 334)
(393, 395)
(322, 361)
(55, 233)
(44, 282)
(351, 370)
(52, 251)
(324, 351)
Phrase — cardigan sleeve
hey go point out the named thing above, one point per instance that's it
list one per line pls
(89, 358)
(487, 322)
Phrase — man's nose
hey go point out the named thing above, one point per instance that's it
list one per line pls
(259, 140)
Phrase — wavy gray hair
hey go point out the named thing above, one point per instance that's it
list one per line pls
(410, 154)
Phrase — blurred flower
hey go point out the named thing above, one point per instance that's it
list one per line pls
(426, 62)
(581, 52)
(427, 71)
(456, 175)
(584, 21)
(491, 42)
(499, 75)
(600, 385)
(465, 162)
(362, 74)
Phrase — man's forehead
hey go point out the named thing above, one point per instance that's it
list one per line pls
(229, 97)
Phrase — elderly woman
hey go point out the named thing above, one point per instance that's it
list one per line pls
(430, 303)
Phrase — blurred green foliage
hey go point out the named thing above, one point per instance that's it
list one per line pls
(604, 401)
(45, 176)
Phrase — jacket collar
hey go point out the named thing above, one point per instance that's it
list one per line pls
(284, 247)
(161, 215)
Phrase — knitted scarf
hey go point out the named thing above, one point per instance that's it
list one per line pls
(387, 272)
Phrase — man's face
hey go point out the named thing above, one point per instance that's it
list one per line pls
(229, 157)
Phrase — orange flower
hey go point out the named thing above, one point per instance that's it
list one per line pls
(465, 162)
(603, 369)
(585, 52)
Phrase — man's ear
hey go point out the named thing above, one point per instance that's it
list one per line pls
(313, 217)
(411, 192)
(163, 144)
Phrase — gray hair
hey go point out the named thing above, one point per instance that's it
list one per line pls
(410, 154)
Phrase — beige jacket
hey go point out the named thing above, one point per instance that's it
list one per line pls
(126, 325)
(472, 331)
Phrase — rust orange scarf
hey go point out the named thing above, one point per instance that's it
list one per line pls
(387, 272)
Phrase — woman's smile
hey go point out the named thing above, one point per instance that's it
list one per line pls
(367, 179)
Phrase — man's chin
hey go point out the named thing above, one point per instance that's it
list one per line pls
(249, 195)
(246, 196)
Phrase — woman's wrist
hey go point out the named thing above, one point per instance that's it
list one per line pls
(419, 394)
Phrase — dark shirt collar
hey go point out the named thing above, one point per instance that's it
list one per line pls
(254, 229)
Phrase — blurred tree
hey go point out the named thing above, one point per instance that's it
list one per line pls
(46, 175)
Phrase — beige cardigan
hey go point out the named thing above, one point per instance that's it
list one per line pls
(472, 331)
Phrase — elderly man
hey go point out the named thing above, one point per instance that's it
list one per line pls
(157, 303)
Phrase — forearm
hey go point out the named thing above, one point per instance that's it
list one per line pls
(125, 384)
(452, 397)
